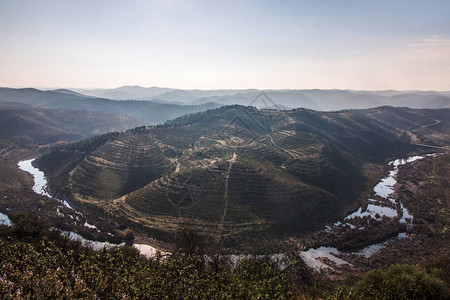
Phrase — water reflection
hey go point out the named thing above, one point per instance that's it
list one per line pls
(384, 189)
(4, 220)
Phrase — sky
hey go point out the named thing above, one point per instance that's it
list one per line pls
(362, 45)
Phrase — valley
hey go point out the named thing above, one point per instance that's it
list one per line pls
(372, 217)
(194, 149)
(235, 173)
(245, 180)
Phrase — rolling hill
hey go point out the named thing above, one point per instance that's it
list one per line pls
(235, 171)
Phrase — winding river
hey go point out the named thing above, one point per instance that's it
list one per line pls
(384, 189)
(40, 187)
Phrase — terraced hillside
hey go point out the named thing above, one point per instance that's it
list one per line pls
(233, 172)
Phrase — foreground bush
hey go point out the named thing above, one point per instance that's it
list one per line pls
(398, 282)
(47, 269)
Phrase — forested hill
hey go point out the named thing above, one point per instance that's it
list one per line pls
(236, 170)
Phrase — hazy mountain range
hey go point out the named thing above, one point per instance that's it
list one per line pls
(155, 105)
(145, 111)
(316, 99)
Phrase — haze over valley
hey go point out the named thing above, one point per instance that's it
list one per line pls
(325, 100)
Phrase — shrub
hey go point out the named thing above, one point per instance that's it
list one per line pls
(398, 282)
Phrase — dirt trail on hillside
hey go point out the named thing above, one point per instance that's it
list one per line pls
(225, 195)
(292, 153)
(416, 141)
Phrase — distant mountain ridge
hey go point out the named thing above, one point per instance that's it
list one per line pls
(150, 112)
(324, 100)
(25, 125)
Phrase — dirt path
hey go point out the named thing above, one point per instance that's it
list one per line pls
(425, 126)
(291, 153)
(225, 195)
(177, 169)
(431, 146)
(5, 151)
(416, 141)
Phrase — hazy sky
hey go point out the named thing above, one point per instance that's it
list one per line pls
(226, 44)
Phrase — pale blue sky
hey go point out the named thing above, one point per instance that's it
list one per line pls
(226, 44)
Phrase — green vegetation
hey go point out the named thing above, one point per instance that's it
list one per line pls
(398, 282)
(89, 145)
(38, 263)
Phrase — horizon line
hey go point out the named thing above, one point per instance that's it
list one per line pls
(50, 88)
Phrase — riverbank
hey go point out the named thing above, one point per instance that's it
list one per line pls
(383, 208)
(382, 220)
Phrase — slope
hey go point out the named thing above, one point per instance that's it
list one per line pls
(232, 173)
